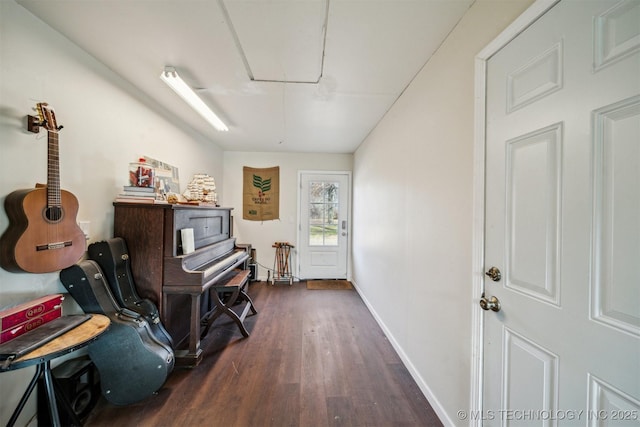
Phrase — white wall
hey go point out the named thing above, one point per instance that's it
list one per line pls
(262, 235)
(413, 213)
(107, 124)
(412, 184)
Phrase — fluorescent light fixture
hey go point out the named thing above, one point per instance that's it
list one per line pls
(170, 76)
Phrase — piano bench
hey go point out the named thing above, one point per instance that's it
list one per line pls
(226, 294)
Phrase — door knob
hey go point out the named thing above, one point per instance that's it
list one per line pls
(492, 303)
(494, 274)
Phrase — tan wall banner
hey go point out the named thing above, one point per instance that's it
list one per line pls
(261, 193)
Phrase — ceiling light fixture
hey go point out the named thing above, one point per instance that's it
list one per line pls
(170, 77)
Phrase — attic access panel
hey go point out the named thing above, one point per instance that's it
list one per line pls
(281, 41)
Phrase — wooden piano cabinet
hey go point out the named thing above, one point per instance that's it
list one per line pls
(153, 237)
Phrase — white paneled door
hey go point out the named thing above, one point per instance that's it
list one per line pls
(324, 227)
(562, 220)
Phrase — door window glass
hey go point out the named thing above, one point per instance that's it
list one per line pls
(323, 213)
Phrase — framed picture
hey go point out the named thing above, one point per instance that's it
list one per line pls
(167, 179)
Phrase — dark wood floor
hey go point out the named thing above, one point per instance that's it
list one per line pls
(314, 358)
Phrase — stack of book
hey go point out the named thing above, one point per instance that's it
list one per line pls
(132, 194)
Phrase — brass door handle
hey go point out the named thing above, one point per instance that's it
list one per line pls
(494, 274)
(492, 304)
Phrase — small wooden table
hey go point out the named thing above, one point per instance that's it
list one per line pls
(75, 339)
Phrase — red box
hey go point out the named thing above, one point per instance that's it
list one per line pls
(29, 325)
(27, 312)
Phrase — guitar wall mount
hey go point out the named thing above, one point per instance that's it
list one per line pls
(33, 124)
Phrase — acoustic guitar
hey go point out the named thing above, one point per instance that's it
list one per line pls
(43, 235)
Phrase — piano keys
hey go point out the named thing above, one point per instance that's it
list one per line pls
(180, 284)
(203, 266)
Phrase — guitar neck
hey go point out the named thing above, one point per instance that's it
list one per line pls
(53, 170)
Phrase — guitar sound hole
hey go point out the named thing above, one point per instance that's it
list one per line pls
(53, 213)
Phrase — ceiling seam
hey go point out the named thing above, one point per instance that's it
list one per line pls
(236, 40)
(245, 61)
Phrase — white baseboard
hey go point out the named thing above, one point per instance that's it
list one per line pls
(428, 393)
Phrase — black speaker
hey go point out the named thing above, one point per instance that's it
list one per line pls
(253, 276)
(79, 383)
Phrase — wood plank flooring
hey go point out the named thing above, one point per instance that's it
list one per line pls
(314, 358)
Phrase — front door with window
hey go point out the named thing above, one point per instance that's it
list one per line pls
(323, 234)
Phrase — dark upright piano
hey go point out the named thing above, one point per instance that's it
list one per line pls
(180, 284)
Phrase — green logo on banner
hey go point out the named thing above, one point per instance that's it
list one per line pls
(262, 185)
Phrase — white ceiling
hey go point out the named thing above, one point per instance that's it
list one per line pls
(284, 75)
